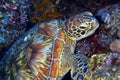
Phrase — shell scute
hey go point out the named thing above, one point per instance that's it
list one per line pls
(45, 29)
(58, 48)
(61, 34)
(54, 68)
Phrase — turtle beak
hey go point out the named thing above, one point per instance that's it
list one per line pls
(94, 24)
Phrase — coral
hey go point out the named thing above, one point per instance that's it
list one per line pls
(115, 45)
(96, 44)
(118, 33)
(110, 15)
(13, 21)
(44, 10)
(104, 67)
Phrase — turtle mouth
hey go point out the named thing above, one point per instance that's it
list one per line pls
(93, 26)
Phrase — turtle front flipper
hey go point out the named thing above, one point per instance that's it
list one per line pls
(80, 67)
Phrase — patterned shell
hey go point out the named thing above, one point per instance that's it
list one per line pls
(46, 52)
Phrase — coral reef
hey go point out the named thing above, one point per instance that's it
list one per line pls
(95, 44)
(104, 67)
(13, 21)
(44, 10)
(103, 47)
(110, 15)
(115, 46)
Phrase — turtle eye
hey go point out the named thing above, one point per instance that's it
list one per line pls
(82, 27)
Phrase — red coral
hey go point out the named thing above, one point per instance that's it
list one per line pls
(94, 44)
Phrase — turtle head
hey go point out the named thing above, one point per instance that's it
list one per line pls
(81, 25)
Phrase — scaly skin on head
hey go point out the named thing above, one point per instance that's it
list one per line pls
(76, 28)
(80, 26)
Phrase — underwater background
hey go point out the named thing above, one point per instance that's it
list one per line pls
(102, 48)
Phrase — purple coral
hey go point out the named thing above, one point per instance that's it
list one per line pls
(13, 21)
(110, 15)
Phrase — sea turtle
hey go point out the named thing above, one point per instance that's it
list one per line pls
(46, 52)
